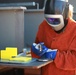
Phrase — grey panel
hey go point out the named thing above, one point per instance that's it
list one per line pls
(32, 21)
(11, 29)
(74, 16)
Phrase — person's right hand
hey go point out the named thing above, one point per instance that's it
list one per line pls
(39, 49)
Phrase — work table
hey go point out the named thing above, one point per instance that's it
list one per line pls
(31, 68)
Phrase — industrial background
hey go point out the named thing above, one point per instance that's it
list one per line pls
(18, 28)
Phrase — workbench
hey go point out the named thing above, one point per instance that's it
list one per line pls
(31, 68)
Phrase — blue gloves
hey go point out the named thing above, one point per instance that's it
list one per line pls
(51, 54)
(41, 50)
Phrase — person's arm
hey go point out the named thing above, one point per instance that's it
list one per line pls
(66, 60)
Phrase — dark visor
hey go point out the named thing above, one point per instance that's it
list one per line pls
(54, 21)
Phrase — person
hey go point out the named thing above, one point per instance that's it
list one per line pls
(57, 33)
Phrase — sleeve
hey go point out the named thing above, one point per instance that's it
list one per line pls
(39, 38)
(66, 60)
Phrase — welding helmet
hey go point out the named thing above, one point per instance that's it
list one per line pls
(56, 11)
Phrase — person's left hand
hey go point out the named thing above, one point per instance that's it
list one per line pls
(51, 54)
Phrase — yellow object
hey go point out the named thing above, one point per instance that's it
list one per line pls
(12, 51)
(21, 59)
(8, 53)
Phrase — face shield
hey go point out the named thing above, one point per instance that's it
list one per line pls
(55, 12)
(56, 21)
